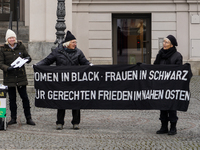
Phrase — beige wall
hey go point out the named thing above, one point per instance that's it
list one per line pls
(91, 23)
(97, 20)
(168, 17)
(42, 17)
(42, 20)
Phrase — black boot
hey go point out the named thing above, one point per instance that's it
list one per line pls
(30, 121)
(173, 130)
(164, 128)
(12, 121)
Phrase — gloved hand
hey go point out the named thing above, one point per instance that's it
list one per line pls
(139, 63)
(10, 68)
(29, 59)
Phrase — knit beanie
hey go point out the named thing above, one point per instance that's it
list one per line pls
(69, 36)
(9, 34)
(173, 40)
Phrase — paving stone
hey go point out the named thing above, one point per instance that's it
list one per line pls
(104, 129)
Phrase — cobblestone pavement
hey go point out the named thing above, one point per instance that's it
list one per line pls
(105, 129)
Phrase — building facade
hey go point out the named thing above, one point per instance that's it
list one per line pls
(116, 31)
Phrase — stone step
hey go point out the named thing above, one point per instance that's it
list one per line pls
(23, 35)
(25, 44)
(5, 24)
(30, 78)
(30, 81)
(23, 31)
(30, 86)
(30, 89)
(20, 29)
(29, 74)
(24, 39)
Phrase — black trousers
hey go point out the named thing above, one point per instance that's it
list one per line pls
(76, 115)
(12, 101)
(168, 115)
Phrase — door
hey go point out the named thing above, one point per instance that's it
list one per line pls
(6, 6)
(131, 38)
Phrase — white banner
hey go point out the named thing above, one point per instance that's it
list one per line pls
(2, 102)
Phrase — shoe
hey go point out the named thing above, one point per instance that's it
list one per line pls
(59, 127)
(30, 122)
(76, 127)
(164, 128)
(12, 121)
(162, 131)
(173, 129)
(172, 132)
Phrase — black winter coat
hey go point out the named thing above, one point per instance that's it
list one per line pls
(176, 58)
(65, 58)
(16, 77)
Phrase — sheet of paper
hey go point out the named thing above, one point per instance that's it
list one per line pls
(3, 86)
(19, 62)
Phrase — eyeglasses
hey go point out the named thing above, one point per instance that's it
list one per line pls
(74, 42)
(166, 42)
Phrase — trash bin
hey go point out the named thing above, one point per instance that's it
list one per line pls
(3, 91)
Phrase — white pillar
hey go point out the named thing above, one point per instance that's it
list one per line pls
(27, 12)
(43, 19)
(68, 17)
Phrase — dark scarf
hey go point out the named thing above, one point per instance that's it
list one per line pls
(69, 50)
(166, 55)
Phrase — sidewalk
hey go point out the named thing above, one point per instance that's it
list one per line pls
(105, 129)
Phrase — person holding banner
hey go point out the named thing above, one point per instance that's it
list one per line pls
(168, 55)
(66, 54)
(15, 76)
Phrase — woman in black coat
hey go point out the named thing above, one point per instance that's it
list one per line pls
(168, 55)
(15, 78)
(67, 55)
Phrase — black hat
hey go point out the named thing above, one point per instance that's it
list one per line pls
(173, 40)
(69, 36)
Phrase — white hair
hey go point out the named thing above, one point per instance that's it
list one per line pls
(66, 44)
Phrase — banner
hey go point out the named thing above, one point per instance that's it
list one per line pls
(2, 101)
(141, 87)
(2, 107)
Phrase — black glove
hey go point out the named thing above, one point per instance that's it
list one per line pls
(139, 63)
(29, 59)
(10, 68)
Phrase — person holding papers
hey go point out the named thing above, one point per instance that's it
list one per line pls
(66, 54)
(168, 55)
(13, 55)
